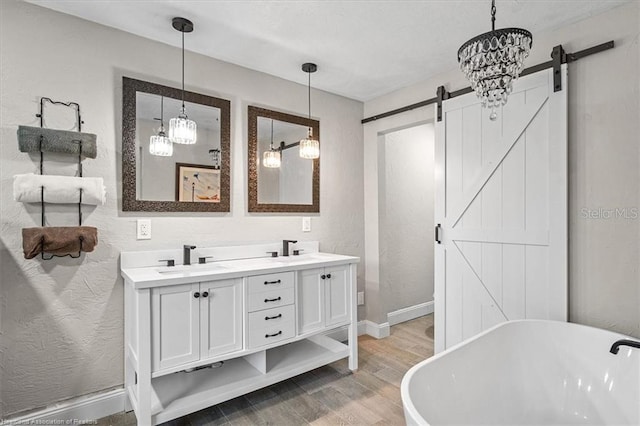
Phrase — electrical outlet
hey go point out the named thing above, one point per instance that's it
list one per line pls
(360, 298)
(144, 229)
(306, 224)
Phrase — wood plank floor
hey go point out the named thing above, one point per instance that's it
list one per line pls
(330, 395)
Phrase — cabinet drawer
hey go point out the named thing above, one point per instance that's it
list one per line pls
(271, 334)
(271, 317)
(270, 299)
(260, 283)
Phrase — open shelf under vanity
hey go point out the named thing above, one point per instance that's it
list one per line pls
(179, 394)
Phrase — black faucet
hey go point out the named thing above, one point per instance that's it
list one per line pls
(623, 342)
(186, 258)
(285, 246)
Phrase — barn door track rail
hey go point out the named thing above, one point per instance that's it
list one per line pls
(558, 57)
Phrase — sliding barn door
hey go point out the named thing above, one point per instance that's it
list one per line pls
(501, 202)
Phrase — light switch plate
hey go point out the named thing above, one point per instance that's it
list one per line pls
(360, 298)
(144, 229)
(306, 224)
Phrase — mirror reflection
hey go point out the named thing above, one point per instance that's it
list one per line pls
(192, 172)
(279, 179)
(160, 175)
(287, 181)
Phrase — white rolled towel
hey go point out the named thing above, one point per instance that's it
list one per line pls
(58, 189)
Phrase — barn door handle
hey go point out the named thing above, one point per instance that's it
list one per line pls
(437, 232)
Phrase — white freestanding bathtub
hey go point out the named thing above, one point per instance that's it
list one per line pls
(527, 373)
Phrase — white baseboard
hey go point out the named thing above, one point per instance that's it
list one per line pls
(371, 328)
(74, 411)
(409, 313)
(378, 331)
(342, 334)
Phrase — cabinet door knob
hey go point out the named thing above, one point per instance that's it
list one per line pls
(266, 336)
(273, 300)
(323, 276)
(205, 294)
(196, 294)
(329, 276)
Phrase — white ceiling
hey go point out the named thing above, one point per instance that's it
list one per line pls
(363, 48)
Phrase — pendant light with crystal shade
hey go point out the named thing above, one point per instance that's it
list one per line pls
(309, 147)
(493, 60)
(181, 129)
(160, 144)
(271, 158)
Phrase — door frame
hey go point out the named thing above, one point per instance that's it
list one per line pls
(374, 133)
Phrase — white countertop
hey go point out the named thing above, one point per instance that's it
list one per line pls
(154, 276)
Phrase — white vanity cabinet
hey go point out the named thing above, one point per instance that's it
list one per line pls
(193, 322)
(324, 298)
(199, 335)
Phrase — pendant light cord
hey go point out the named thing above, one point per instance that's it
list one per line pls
(183, 69)
(493, 16)
(162, 113)
(271, 144)
(309, 97)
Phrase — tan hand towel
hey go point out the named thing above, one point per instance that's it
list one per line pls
(58, 240)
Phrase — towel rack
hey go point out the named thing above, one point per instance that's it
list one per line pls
(79, 123)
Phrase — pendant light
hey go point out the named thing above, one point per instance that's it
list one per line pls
(271, 158)
(493, 60)
(181, 129)
(160, 144)
(309, 147)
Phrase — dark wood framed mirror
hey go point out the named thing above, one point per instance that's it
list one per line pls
(149, 182)
(293, 186)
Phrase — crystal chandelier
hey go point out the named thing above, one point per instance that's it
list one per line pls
(309, 147)
(493, 60)
(160, 144)
(271, 158)
(181, 129)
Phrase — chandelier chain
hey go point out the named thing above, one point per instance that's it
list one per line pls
(493, 15)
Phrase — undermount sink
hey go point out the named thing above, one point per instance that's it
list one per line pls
(256, 262)
(199, 267)
(301, 257)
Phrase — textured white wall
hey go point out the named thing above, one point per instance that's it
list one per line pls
(406, 214)
(62, 320)
(604, 165)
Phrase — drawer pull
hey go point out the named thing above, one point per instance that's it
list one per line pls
(266, 336)
(273, 317)
(277, 299)
(272, 282)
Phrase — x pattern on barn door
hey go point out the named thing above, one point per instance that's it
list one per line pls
(501, 197)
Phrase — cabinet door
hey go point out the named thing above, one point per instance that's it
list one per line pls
(337, 295)
(175, 329)
(221, 317)
(310, 300)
